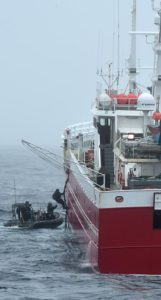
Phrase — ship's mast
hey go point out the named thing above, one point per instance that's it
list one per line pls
(157, 50)
(132, 58)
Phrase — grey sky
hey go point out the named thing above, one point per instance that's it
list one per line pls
(49, 54)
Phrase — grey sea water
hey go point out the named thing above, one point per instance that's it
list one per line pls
(46, 264)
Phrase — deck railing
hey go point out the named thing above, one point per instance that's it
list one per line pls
(85, 128)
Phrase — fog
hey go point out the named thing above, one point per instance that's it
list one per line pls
(50, 51)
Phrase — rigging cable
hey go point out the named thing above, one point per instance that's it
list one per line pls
(53, 159)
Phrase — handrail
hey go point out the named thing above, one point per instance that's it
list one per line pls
(84, 128)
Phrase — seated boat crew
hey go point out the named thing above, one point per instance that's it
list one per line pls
(50, 210)
(24, 216)
(25, 212)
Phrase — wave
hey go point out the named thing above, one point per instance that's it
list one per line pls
(2, 211)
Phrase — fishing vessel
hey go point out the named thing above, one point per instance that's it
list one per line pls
(113, 167)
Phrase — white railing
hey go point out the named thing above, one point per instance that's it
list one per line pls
(85, 128)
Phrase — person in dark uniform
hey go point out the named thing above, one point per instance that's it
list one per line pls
(28, 210)
(18, 211)
(24, 212)
(50, 210)
(57, 196)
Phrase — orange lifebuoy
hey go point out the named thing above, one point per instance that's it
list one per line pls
(157, 116)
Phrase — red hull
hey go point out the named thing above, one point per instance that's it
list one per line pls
(119, 240)
(128, 243)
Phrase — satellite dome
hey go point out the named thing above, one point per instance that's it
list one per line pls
(146, 102)
(105, 100)
(105, 97)
(146, 98)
